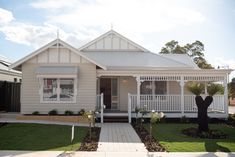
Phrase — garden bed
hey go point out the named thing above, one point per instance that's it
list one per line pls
(91, 145)
(60, 118)
(151, 144)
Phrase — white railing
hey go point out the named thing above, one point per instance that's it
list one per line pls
(172, 103)
(160, 102)
(100, 106)
(217, 104)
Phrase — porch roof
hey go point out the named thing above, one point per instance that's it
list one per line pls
(171, 75)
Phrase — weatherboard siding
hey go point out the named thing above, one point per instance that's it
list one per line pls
(86, 84)
(127, 85)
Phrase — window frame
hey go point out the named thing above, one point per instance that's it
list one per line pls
(58, 101)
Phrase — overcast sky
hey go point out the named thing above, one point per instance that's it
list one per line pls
(27, 25)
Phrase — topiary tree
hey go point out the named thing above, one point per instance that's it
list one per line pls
(202, 105)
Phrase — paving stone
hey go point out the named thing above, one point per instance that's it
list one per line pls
(119, 137)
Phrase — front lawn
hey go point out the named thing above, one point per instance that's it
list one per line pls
(40, 137)
(170, 136)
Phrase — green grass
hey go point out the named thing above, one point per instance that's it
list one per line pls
(170, 136)
(40, 137)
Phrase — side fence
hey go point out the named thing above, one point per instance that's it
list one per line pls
(9, 96)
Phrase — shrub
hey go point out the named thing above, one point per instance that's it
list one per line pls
(35, 113)
(231, 119)
(184, 119)
(68, 112)
(81, 112)
(53, 112)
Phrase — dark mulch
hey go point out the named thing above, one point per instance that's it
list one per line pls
(3, 124)
(211, 134)
(91, 145)
(150, 142)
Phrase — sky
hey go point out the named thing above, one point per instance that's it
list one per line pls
(26, 25)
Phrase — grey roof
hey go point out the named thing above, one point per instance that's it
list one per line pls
(4, 65)
(57, 70)
(183, 58)
(140, 61)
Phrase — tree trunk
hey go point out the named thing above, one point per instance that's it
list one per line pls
(202, 106)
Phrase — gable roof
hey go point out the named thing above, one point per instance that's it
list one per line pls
(112, 33)
(138, 61)
(18, 63)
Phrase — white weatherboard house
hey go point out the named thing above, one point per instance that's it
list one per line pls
(116, 72)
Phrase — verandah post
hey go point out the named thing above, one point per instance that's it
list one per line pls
(129, 108)
(225, 95)
(182, 94)
(102, 108)
(138, 90)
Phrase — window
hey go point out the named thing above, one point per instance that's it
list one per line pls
(66, 89)
(63, 94)
(146, 87)
(153, 88)
(49, 89)
(160, 87)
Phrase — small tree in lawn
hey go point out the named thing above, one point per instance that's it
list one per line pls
(202, 105)
(90, 115)
(154, 118)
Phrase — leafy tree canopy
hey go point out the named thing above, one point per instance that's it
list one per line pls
(194, 50)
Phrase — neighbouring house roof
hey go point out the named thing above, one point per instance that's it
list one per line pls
(4, 66)
(140, 61)
(112, 41)
(17, 65)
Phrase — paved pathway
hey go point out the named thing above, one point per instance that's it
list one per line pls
(119, 137)
(231, 109)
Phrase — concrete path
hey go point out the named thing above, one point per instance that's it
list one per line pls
(231, 109)
(119, 137)
(109, 154)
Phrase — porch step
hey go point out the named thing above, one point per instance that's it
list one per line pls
(115, 119)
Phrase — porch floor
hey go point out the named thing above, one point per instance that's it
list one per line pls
(119, 137)
(168, 114)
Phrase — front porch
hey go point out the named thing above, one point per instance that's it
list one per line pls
(160, 91)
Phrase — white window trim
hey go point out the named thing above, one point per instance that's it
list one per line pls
(41, 84)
